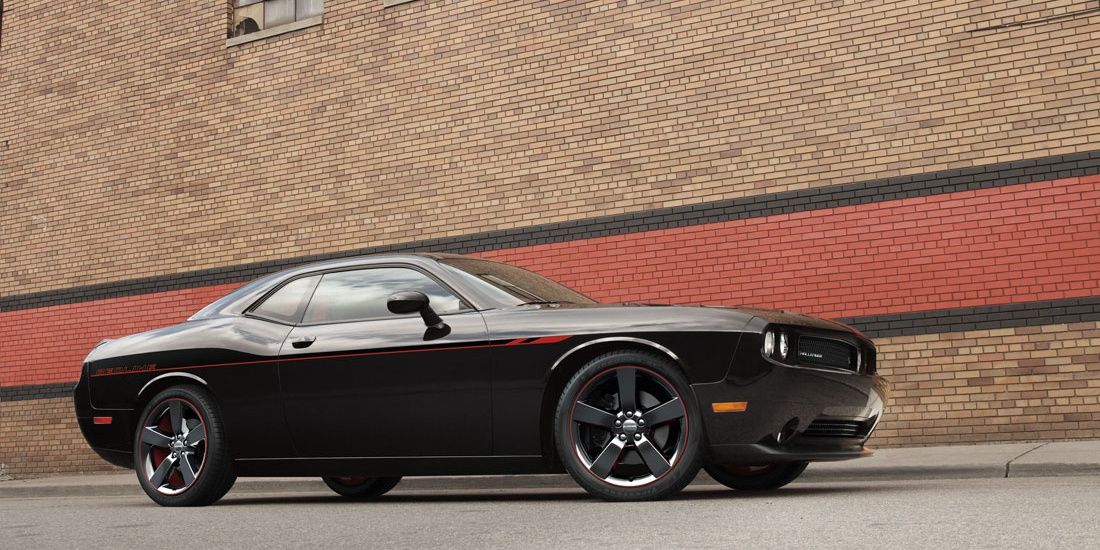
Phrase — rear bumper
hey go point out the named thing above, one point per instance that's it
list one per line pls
(791, 414)
(111, 441)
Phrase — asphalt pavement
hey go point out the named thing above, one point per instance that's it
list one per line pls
(1022, 495)
(1026, 512)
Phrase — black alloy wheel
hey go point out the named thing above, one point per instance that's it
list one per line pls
(624, 427)
(761, 477)
(361, 487)
(179, 449)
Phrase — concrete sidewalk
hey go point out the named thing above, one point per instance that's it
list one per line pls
(952, 462)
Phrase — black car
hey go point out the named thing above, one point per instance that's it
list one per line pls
(364, 370)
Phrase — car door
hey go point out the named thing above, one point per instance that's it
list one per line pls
(359, 381)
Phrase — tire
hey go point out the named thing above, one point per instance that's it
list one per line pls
(361, 488)
(756, 478)
(182, 426)
(629, 461)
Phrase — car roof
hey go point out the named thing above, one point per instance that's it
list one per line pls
(367, 259)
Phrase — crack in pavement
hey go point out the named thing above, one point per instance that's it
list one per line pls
(1008, 464)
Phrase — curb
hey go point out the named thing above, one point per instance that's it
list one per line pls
(129, 486)
(1052, 470)
(132, 489)
(904, 473)
(126, 486)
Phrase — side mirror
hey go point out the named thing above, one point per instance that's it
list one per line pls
(411, 301)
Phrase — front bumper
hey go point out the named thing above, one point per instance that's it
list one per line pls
(791, 414)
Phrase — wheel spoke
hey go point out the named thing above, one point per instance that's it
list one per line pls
(653, 458)
(669, 410)
(587, 414)
(196, 435)
(608, 457)
(627, 389)
(151, 436)
(162, 471)
(175, 415)
(186, 469)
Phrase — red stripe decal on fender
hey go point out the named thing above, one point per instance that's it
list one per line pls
(550, 339)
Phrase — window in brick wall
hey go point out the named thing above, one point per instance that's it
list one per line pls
(251, 16)
(1011, 14)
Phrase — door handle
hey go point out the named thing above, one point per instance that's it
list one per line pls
(303, 342)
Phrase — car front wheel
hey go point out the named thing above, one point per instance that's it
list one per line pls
(761, 477)
(180, 450)
(626, 427)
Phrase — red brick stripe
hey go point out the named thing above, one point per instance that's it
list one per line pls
(1020, 243)
(47, 344)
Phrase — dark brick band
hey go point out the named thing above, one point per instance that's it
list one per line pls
(36, 391)
(934, 183)
(1026, 314)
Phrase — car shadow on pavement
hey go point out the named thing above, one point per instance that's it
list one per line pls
(543, 495)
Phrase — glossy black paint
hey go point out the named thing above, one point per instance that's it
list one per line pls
(390, 399)
(392, 396)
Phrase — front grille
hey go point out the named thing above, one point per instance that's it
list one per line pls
(838, 428)
(826, 353)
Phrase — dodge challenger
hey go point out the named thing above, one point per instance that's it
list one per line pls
(364, 370)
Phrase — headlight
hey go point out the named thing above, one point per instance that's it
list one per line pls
(783, 349)
(769, 343)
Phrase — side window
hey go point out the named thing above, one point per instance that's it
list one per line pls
(288, 302)
(362, 294)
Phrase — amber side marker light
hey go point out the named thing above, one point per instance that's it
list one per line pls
(730, 407)
(101, 420)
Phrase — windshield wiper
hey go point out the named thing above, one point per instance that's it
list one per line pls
(544, 302)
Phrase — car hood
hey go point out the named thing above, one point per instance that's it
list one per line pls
(792, 318)
(769, 316)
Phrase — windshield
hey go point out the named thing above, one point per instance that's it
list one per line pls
(511, 284)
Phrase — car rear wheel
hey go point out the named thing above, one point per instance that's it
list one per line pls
(626, 428)
(361, 487)
(760, 477)
(180, 452)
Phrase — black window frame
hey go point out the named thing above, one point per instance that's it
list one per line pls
(465, 306)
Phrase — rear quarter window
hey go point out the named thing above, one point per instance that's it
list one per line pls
(288, 303)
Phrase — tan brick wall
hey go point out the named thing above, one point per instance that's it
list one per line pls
(133, 142)
(1029, 383)
(40, 437)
